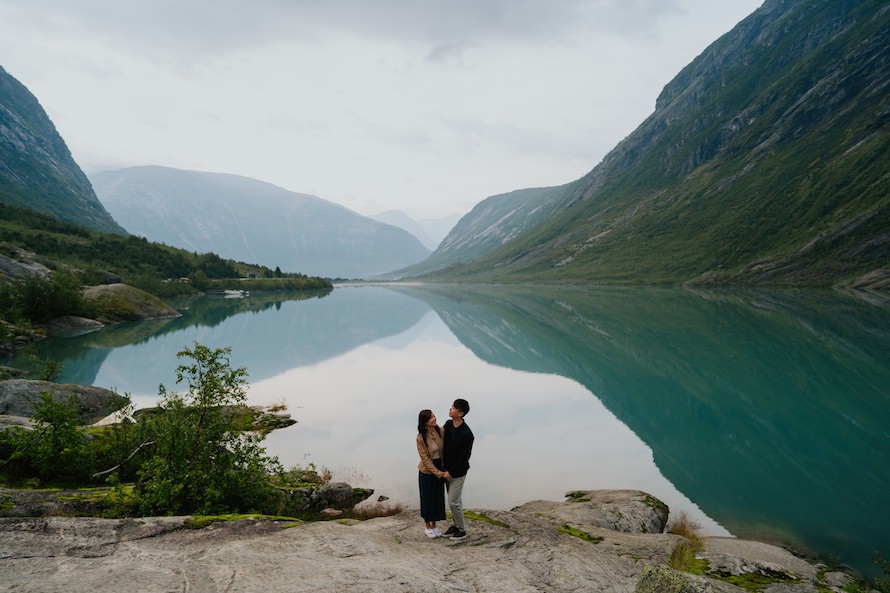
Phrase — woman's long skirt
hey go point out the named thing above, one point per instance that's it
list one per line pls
(432, 495)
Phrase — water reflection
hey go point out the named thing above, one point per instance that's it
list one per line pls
(770, 410)
(268, 335)
(765, 413)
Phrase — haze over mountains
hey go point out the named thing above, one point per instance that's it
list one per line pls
(430, 231)
(764, 162)
(249, 220)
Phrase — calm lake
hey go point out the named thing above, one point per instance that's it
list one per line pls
(759, 413)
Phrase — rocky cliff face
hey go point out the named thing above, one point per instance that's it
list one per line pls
(764, 162)
(36, 167)
(249, 220)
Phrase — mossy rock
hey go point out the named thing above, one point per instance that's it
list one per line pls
(661, 579)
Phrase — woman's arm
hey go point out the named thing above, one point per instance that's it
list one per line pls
(426, 461)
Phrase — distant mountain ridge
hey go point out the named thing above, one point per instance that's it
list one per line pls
(249, 220)
(765, 161)
(37, 170)
(430, 231)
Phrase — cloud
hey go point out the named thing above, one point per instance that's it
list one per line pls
(198, 28)
(368, 102)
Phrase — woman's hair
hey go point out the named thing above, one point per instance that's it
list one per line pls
(422, 419)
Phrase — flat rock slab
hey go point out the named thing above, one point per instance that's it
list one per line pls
(380, 555)
(505, 551)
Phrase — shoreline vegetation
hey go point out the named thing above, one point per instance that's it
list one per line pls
(197, 452)
(55, 276)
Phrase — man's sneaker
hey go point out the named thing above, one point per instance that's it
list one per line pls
(458, 534)
(451, 531)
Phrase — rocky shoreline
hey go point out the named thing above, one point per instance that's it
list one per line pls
(592, 541)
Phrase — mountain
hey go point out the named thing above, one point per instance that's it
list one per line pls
(36, 168)
(764, 162)
(493, 223)
(249, 220)
(429, 231)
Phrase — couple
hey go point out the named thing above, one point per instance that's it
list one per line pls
(444, 460)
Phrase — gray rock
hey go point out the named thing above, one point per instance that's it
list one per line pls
(26, 265)
(629, 511)
(10, 373)
(838, 579)
(733, 556)
(661, 579)
(18, 396)
(338, 495)
(70, 326)
(505, 552)
(122, 302)
(10, 421)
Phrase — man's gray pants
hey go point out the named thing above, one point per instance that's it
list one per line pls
(455, 488)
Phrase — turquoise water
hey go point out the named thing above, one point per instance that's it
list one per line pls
(761, 414)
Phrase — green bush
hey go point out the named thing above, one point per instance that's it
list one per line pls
(200, 461)
(193, 454)
(55, 450)
(38, 299)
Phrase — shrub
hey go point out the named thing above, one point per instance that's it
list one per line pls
(56, 450)
(683, 557)
(200, 461)
(688, 528)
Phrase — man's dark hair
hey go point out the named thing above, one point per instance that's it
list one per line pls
(462, 405)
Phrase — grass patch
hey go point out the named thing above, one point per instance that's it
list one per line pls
(578, 496)
(481, 517)
(754, 582)
(690, 529)
(569, 530)
(683, 557)
(201, 521)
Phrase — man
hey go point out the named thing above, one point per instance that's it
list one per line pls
(458, 445)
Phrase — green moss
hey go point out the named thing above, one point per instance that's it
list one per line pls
(481, 517)
(201, 521)
(86, 496)
(578, 496)
(653, 503)
(569, 530)
(754, 582)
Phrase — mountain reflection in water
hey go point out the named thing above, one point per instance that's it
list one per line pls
(769, 411)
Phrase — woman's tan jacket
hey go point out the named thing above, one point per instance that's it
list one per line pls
(426, 460)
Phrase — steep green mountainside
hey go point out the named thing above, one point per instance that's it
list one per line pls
(31, 242)
(36, 167)
(490, 225)
(246, 219)
(765, 161)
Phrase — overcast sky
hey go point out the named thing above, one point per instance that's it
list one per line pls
(424, 106)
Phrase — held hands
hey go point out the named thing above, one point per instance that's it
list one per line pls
(446, 476)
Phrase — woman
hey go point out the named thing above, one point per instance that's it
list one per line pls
(432, 488)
